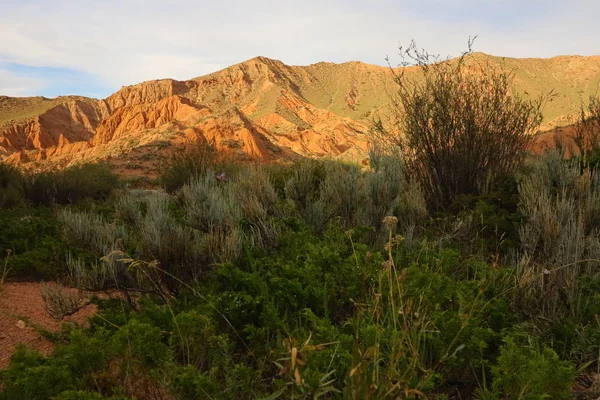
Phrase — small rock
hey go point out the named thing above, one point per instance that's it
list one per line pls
(21, 324)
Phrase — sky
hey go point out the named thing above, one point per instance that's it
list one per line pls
(94, 47)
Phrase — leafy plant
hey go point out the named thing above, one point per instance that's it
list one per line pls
(72, 185)
(459, 125)
(526, 372)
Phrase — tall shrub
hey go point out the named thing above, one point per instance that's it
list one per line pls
(459, 123)
(587, 134)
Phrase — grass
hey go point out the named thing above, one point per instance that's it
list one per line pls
(17, 109)
(311, 280)
(379, 300)
(5, 269)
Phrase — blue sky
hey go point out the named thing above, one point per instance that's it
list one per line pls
(51, 81)
(93, 47)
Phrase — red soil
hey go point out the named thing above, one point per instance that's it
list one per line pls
(22, 308)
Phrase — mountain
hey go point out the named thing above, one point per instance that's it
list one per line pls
(259, 109)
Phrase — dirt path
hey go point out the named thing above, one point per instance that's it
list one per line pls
(21, 307)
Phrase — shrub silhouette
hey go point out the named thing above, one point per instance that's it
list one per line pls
(459, 124)
(190, 162)
(587, 135)
(69, 186)
(12, 186)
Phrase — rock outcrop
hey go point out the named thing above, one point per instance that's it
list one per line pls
(260, 109)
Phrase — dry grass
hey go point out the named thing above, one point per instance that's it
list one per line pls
(5, 270)
(17, 109)
(560, 235)
(59, 301)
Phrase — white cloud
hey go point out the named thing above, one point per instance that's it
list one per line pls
(129, 41)
(15, 85)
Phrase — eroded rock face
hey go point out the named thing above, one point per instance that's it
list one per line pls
(69, 122)
(260, 109)
(142, 116)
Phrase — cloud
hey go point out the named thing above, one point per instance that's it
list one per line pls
(16, 85)
(23, 80)
(128, 41)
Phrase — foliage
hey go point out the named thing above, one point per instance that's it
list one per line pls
(587, 134)
(12, 186)
(526, 372)
(316, 280)
(32, 235)
(459, 125)
(191, 162)
(87, 181)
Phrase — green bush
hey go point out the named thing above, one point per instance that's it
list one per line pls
(32, 377)
(85, 395)
(235, 289)
(33, 237)
(459, 124)
(12, 187)
(526, 372)
(191, 162)
(306, 274)
(69, 186)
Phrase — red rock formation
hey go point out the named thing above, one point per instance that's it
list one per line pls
(260, 109)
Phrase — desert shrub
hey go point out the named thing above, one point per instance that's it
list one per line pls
(324, 191)
(340, 194)
(383, 187)
(153, 245)
(87, 181)
(128, 210)
(259, 207)
(459, 124)
(33, 237)
(302, 187)
(279, 175)
(90, 232)
(12, 187)
(587, 135)
(95, 275)
(175, 247)
(559, 236)
(192, 161)
(560, 249)
(434, 322)
(209, 204)
(211, 209)
(524, 371)
(100, 244)
(31, 376)
(60, 302)
(85, 395)
(241, 292)
(412, 210)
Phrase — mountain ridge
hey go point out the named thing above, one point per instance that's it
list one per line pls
(258, 109)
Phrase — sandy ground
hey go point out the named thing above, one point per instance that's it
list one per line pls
(21, 308)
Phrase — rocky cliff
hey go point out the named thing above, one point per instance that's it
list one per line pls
(259, 109)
